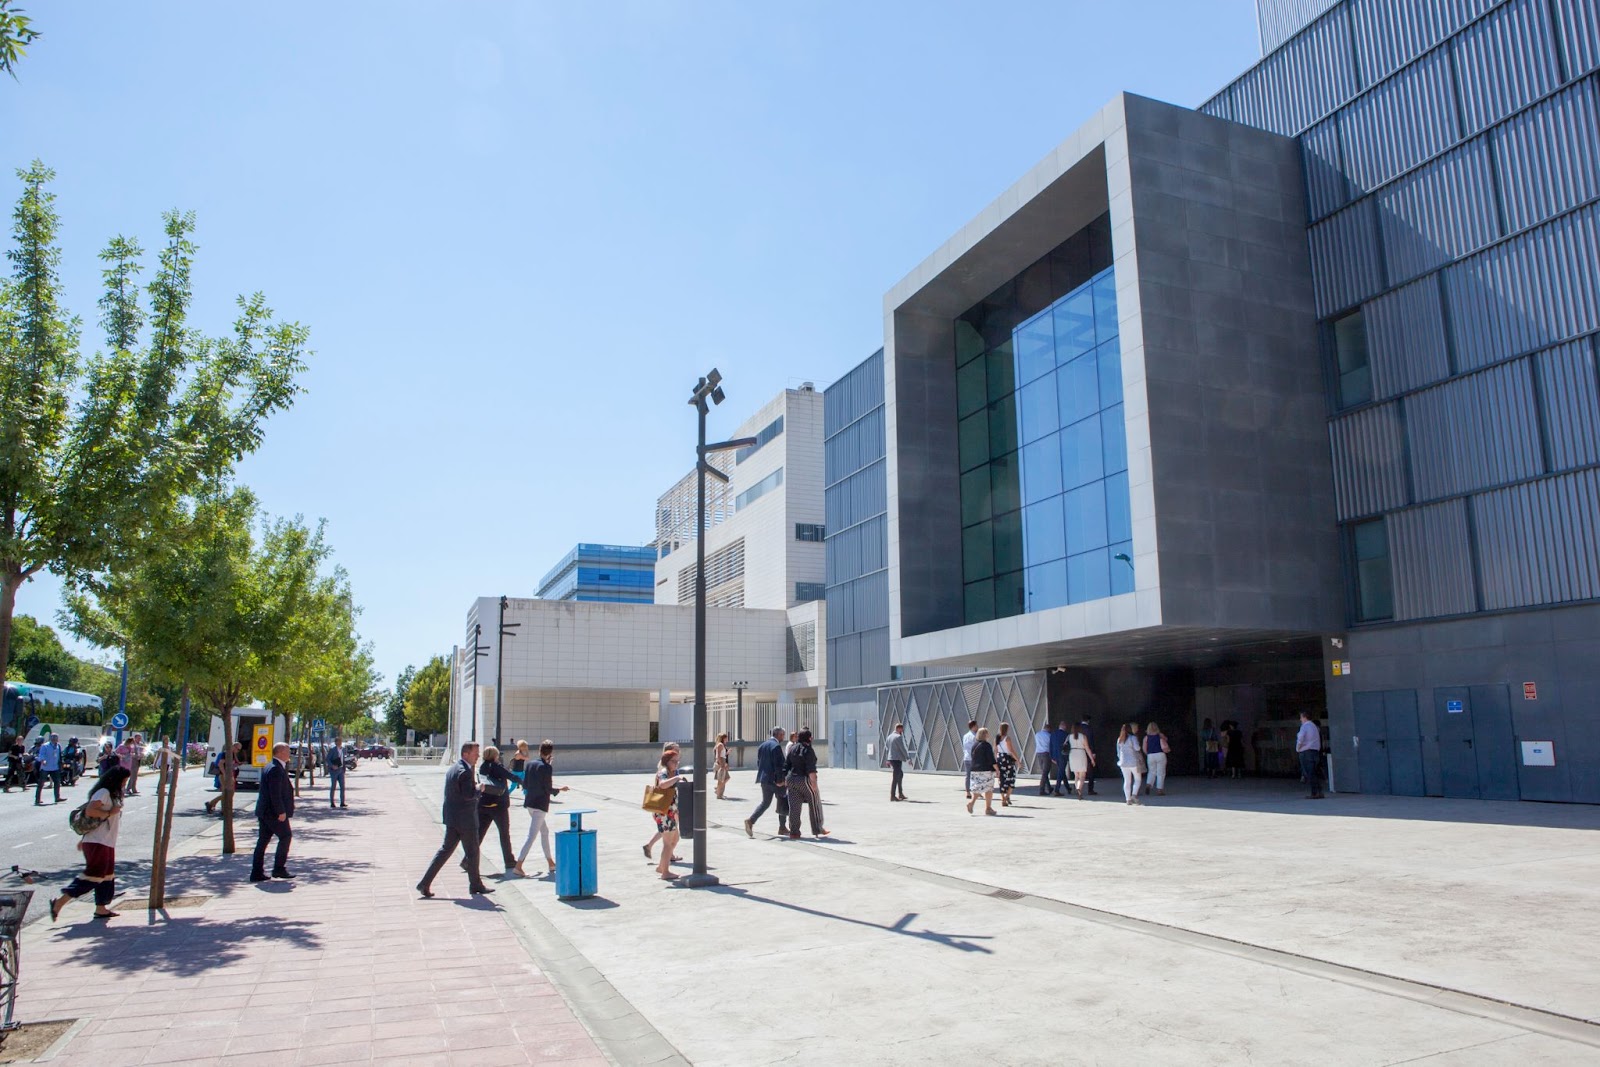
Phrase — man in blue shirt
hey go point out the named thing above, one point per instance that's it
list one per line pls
(49, 759)
(772, 777)
(1058, 746)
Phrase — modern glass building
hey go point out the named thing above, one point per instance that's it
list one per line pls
(1287, 402)
(619, 574)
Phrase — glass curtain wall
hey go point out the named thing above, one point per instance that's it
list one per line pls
(1044, 467)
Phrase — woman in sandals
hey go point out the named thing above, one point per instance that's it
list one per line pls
(667, 777)
(99, 847)
(983, 769)
(1007, 758)
(670, 746)
(721, 763)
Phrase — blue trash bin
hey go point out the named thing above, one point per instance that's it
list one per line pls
(577, 863)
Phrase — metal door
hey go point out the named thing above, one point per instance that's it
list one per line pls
(1404, 742)
(1494, 743)
(1458, 762)
(1372, 751)
(845, 740)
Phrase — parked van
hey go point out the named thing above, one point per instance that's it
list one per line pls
(257, 749)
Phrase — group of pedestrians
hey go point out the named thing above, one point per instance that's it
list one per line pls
(47, 762)
(786, 771)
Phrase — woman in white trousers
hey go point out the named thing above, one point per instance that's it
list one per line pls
(1156, 750)
(1128, 760)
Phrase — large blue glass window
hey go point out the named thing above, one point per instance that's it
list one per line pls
(1043, 439)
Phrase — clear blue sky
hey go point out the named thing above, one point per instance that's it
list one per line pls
(520, 231)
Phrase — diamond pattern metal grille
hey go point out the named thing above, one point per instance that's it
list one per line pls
(936, 714)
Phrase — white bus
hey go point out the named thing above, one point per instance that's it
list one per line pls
(39, 710)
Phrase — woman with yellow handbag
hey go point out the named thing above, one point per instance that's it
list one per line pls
(661, 799)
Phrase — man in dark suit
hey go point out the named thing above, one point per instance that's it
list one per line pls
(274, 809)
(460, 823)
(771, 776)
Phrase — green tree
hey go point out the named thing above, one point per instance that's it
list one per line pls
(38, 655)
(325, 672)
(394, 707)
(16, 33)
(96, 457)
(428, 698)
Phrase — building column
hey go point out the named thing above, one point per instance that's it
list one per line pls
(788, 714)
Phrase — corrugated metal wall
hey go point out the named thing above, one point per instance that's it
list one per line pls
(1405, 338)
(1474, 432)
(1439, 213)
(1301, 82)
(1400, 123)
(1345, 266)
(1506, 62)
(1568, 383)
(1539, 543)
(1579, 21)
(1432, 561)
(1280, 20)
(1391, 33)
(1369, 472)
(855, 506)
(1549, 157)
(1326, 188)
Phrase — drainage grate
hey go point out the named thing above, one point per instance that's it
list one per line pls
(184, 902)
(1008, 894)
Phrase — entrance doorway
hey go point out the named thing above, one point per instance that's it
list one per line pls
(1268, 718)
(1476, 743)
(1388, 743)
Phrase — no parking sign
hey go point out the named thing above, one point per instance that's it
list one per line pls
(261, 746)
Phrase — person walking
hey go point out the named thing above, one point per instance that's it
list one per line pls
(133, 760)
(1308, 747)
(108, 759)
(222, 767)
(460, 817)
(968, 740)
(667, 777)
(1211, 748)
(670, 746)
(1128, 757)
(1006, 757)
(519, 763)
(494, 804)
(71, 762)
(1094, 764)
(538, 787)
(1042, 757)
(334, 762)
(1235, 737)
(274, 809)
(48, 763)
(1060, 748)
(896, 752)
(1080, 758)
(1156, 751)
(803, 789)
(719, 762)
(771, 775)
(16, 756)
(981, 775)
(99, 847)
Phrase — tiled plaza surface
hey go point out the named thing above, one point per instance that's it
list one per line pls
(345, 965)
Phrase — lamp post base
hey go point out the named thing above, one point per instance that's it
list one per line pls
(700, 881)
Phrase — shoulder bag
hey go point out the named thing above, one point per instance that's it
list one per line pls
(659, 798)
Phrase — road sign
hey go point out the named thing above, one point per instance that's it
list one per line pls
(319, 724)
(1530, 691)
(119, 721)
(1454, 707)
(261, 746)
(33, 720)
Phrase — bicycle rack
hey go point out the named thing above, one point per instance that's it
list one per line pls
(13, 907)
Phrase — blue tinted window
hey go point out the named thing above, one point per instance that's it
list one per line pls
(1074, 322)
(1042, 531)
(1119, 518)
(1036, 409)
(1035, 342)
(1086, 518)
(1105, 306)
(1108, 358)
(1082, 453)
(1114, 438)
(1088, 576)
(1078, 386)
(1041, 469)
(1122, 569)
(1047, 585)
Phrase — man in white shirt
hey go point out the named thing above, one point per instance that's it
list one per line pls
(967, 742)
(1308, 745)
(1041, 758)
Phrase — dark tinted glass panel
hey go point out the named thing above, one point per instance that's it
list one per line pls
(1350, 349)
(1003, 426)
(1036, 348)
(974, 440)
(1374, 580)
(1002, 372)
(1008, 595)
(977, 551)
(1008, 541)
(972, 390)
(969, 342)
(979, 601)
(1006, 483)
(976, 504)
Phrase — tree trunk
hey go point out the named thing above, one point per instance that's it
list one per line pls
(157, 859)
(165, 829)
(227, 781)
(8, 604)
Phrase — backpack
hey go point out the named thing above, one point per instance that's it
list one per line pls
(82, 822)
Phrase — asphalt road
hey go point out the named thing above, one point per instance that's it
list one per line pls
(39, 839)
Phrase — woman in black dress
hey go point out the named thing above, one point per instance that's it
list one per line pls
(1006, 761)
(983, 773)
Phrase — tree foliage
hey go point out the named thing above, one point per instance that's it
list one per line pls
(428, 698)
(39, 657)
(16, 33)
(394, 707)
(96, 456)
(325, 671)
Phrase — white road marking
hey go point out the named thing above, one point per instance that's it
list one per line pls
(49, 836)
(25, 844)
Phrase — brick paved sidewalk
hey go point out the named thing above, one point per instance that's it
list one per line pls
(344, 965)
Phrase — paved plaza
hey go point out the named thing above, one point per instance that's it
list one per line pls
(1223, 923)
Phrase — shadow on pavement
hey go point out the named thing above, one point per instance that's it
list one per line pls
(961, 942)
(183, 947)
(589, 903)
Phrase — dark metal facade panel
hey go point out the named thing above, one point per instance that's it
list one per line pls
(1549, 156)
(1439, 213)
(1410, 118)
(859, 550)
(855, 445)
(1526, 293)
(1406, 338)
(1345, 266)
(1301, 82)
(1431, 561)
(1391, 33)
(1474, 432)
(1571, 400)
(1279, 20)
(1369, 465)
(1579, 23)
(1539, 543)
(856, 498)
(855, 394)
(1506, 62)
(1326, 187)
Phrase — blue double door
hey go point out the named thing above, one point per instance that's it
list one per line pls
(1468, 726)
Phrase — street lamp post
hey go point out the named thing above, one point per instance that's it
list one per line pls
(507, 629)
(738, 714)
(707, 393)
(479, 650)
